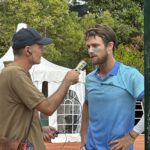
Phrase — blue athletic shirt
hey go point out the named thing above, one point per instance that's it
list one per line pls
(111, 104)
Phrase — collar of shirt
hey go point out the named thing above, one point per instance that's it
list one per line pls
(113, 71)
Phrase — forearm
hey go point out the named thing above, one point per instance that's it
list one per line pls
(56, 99)
(51, 103)
(125, 141)
(139, 127)
(84, 123)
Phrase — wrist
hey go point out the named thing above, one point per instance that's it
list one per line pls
(67, 82)
(133, 134)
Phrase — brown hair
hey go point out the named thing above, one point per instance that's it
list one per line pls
(103, 31)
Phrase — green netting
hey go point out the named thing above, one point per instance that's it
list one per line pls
(44, 122)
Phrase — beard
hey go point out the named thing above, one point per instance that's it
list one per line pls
(100, 60)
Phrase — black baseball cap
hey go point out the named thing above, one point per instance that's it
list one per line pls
(28, 36)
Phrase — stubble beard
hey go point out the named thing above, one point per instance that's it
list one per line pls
(102, 60)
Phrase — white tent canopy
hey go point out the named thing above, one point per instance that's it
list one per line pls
(53, 74)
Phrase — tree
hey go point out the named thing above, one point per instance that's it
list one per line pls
(52, 19)
(127, 19)
(130, 57)
(127, 15)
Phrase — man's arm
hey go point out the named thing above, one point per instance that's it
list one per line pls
(139, 128)
(84, 124)
(50, 104)
(127, 140)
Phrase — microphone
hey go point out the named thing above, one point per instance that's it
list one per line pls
(56, 133)
(81, 65)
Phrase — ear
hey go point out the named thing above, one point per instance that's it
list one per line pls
(110, 47)
(27, 50)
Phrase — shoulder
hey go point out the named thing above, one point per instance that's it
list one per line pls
(91, 74)
(13, 71)
(11, 67)
(128, 70)
(129, 74)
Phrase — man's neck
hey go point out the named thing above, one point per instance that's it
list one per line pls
(106, 67)
(23, 63)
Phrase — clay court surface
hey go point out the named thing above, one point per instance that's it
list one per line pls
(139, 145)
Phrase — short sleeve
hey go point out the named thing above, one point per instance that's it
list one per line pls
(136, 84)
(26, 90)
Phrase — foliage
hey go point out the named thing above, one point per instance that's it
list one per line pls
(127, 55)
(127, 19)
(52, 18)
(106, 19)
(127, 15)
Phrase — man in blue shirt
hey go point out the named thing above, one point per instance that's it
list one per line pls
(111, 93)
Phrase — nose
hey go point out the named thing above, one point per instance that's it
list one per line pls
(90, 50)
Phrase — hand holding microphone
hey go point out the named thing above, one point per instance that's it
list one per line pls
(81, 65)
(73, 75)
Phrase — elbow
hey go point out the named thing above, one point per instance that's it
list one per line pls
(45, 108)
(48, 112)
